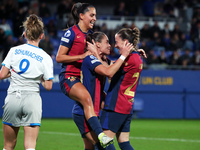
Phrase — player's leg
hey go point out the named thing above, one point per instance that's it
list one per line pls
(92, 137)
(31, 120)
(93, 143)
(88, 145)
(123, 134)
(123, 141)
(113, 122)
(89, 137)
(79, 93)
(11, 120)
(85, 131)
(30, 136)
(10, 136)
(112, 135)
(73, 88)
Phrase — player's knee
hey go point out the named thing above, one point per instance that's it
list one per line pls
(30, 146)
(125, 146)
(10, 145)
(87, 101)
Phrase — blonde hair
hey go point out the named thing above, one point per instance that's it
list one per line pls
(33, 27)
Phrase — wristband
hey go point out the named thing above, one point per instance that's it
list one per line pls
(122, 57)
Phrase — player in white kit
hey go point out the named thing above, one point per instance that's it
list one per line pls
(28, 66)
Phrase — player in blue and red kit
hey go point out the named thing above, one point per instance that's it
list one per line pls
(93, 78)
(71, 54)
(118, 109)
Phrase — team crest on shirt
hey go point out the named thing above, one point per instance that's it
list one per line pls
(71, 78)
(68, 33)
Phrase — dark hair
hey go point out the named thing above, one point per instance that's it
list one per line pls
(80, 8)
(33, 27)
(96, 36)
(132, 35)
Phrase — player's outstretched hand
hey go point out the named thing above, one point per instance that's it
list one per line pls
(142, 53)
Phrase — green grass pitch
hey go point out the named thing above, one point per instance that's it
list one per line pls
(145, 134)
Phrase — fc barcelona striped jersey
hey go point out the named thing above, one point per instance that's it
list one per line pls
(74, 39)
(93, 83)
(123, 85)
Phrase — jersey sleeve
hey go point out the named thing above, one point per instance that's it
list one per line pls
(68, 38)
(8, 60)
(48, 69)
(92, 62)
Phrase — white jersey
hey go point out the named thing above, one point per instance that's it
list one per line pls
(27, 64)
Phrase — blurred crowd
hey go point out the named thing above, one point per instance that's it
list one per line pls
(164, 46)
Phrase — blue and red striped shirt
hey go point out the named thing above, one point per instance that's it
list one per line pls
(123, 85)
(74, 39)
(93, 83)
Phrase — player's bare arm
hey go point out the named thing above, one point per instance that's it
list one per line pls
(62, 56)
(4, 73)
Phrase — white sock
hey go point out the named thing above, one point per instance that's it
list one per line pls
(30, 149)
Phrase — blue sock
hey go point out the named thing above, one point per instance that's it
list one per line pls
(110, 147)
(95, 125)
(125, 146)
(98, 146)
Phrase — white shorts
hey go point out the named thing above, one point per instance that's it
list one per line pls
(22, 108)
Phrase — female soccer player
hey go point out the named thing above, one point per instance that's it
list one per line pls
(118, 109)
(71, 54)
(93, 73)
(27, 65)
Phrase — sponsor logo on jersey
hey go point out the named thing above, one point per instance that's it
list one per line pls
(67, 34)
(94, 61)
(78, 37)
(92, 57)
(65, 40)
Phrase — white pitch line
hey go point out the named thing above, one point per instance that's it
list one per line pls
(165, 139)
(131, 137)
